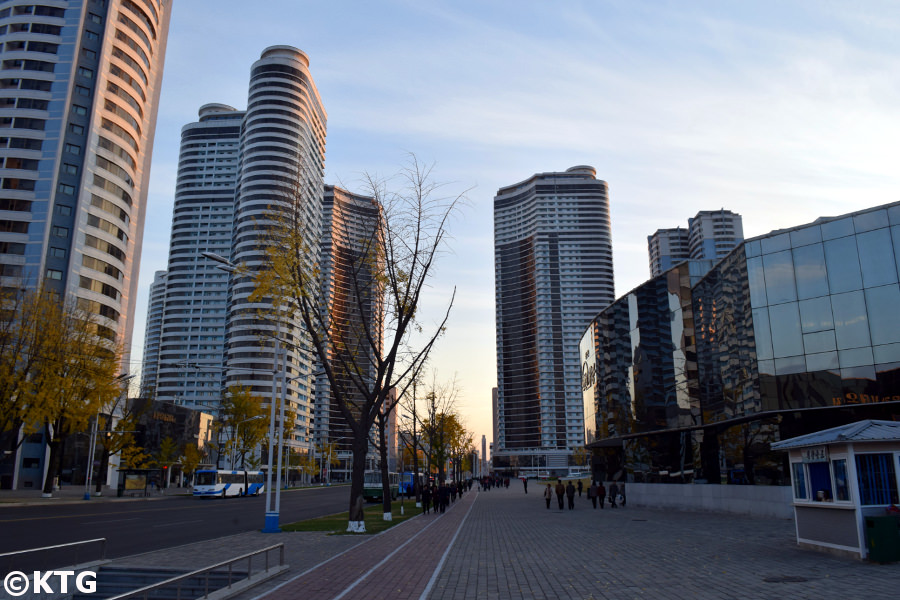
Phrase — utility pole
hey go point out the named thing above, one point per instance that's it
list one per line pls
(415, 441)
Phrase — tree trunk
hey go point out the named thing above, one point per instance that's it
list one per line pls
(357, 523)
(56, 446)
(102, 472)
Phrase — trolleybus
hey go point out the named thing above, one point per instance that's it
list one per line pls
(213, 483)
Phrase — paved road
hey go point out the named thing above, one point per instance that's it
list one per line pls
(141, 526)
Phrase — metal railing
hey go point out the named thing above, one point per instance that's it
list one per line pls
(28, 560)
(144, 592)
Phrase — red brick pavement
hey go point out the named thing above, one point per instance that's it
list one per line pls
(396, 564)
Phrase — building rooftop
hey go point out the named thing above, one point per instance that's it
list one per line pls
(861, 431)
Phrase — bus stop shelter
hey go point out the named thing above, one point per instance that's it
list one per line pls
(846, 483)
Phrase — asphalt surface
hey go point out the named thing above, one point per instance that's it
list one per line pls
(142, 526)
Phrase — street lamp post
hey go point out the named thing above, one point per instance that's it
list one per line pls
(92, 447)
(272, 512)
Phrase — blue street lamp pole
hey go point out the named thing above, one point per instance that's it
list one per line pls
(272, 512)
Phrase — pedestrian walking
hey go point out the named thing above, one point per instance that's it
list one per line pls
(601, 494)
(560, 494)
(622, 494)
(426, 499)
(592, 493)
(548, 495)
(580, 485)
(525, 484)
(613, 492)
(570, 494)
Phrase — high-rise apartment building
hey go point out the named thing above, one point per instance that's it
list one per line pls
(352, 298)
(155, 309)
(188, 364)
(79, 92)
(282, 162)
(668, 247)
(714, 233)
(710, 235)
(554, 272)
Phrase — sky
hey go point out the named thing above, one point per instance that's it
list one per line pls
(781, 111)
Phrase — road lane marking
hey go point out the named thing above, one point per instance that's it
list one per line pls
(178, 523)
(111, 521)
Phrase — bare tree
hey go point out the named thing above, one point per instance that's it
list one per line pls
(373, 338)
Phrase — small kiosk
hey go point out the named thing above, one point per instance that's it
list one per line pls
(846, 488)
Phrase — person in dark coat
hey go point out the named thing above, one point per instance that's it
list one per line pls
(426, 499)
(560, 493)
(613, 492)
(570, 493)
(601, 493)
(580, 486)
(548, 495)
(592, 493)
(525, 483)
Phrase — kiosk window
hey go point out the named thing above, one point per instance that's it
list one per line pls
(877, 479)
(841, 487)
(799, 482)
(820, 481)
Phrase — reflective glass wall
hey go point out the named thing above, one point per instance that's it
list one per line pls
(792, 332)
(646, 375)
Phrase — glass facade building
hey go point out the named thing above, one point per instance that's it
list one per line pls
(792, 332)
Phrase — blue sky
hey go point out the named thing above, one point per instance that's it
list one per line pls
(780, 111)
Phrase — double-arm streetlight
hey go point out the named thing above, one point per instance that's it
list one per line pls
(272, 512)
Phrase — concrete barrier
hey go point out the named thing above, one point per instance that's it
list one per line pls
(756, 500)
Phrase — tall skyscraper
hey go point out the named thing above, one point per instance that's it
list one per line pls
(668, 247)
(351, 297)
(79, 92)
(554, 272)
(282, 162)
(710, 235)
(188, 365)
(155, 310)
(714, 233)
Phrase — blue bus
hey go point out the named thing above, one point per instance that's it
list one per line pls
(406, 483)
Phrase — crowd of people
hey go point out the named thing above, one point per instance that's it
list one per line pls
(597, 493)
(437, 497)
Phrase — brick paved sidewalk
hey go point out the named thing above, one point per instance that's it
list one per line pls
(397, 564)
(512, 547)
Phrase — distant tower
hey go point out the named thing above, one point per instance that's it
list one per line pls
(554, 272)
(710, 235)
(714, 233)
(668, 247)
(79, 93)
(155, 309)
(350, 226)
